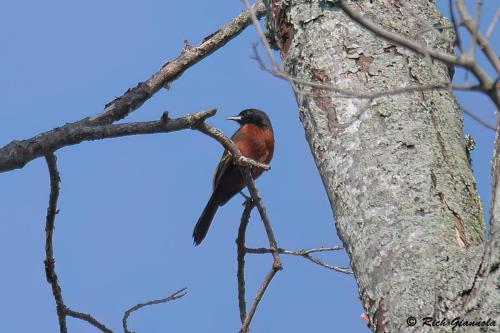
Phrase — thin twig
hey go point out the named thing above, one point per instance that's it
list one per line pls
(89, 319)
(261, 34)
(493, 24)
(344, 93)
(307, 255)
(477, 36)
(240, 242)
(258, 296)
(247, 176)
(486, 83)
(479, 6)
(481, 121)
(178, 294)
(277, 265)
(50, 263)
(455, 25)
(262, 250)
(427, 26)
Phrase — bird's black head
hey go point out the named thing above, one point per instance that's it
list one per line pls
(252, 116)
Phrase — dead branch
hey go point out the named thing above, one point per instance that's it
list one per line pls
(487, 85)
(178, 294)
(477, 37)
(493, 24)
(50, 262)
(244, 169)
(306, 253)
(89, 319)
(17, 153)
(240, 243)
(173, 69)
(50, 269)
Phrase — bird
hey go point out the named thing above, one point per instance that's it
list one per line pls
(255, 140)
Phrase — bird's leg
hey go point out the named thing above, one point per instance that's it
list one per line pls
(247, 198)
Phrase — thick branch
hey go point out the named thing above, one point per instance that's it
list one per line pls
(171, 70)
(17, 153)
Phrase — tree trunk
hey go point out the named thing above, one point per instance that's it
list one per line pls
(395, 168)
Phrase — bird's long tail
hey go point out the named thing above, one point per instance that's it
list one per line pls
(203, 224)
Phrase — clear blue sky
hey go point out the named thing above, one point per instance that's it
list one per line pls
(128, 205)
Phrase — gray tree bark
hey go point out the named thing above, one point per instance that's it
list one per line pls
(396, 168)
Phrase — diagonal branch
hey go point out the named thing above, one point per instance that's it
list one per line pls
(486, 86)
(133, 98)
(241, 161)
(477, 37)
(17, 153)
(486, 83)
(89, 319)
(493, 24)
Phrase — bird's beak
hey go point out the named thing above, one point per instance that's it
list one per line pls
(235, 118)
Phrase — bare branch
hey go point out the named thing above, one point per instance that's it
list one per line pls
(244, 169)
(486, 82)
(307, 255)
(480, 120)
(344, 93)
(277, 71)
(50, 262)
(277, 265)
(455, 25)
(17, 153)
(171, 70)
(493, 24)
(240, 242)
(477, 36)
(178, 294)
(261, 34)
(89, 319)
(50, 267)
(262, 289)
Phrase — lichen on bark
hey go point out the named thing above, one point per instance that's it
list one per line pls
(395, 168)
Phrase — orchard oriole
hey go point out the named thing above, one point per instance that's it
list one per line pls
(255, 140)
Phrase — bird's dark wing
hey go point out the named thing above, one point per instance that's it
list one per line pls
(226, 160)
